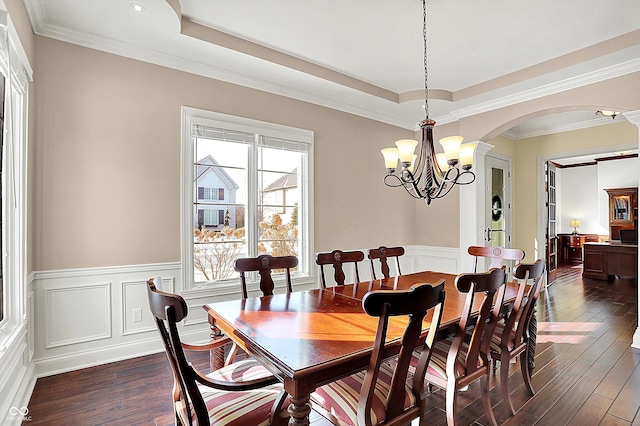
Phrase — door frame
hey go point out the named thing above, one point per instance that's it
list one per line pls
(540, 243)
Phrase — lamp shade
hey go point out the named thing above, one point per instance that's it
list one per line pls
(405, 149)
(466, 154)
(451, 146)
(390, 158)
(442, 161)
(575, 223)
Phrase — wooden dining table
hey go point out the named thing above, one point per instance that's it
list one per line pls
(313, 337)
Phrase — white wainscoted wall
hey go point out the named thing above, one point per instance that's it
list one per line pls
(85, 317)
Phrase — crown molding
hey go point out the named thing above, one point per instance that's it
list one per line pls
(41, 27)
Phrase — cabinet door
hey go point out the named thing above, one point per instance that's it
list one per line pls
(620, 209)
(594, 264)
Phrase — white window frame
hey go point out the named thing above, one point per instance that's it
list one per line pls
(194, 116)
(14, 65)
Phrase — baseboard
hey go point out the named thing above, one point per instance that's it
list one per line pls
(103, 355)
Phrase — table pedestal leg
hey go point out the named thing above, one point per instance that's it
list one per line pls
(216, 356)
(299, 410)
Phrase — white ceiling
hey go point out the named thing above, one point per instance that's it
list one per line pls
(366, 56)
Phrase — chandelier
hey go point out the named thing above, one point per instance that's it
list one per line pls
(428, 175)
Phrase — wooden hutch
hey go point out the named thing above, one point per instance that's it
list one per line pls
(623, 210)
(604, 261)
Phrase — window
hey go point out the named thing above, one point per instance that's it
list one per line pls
(248, 192)
(210, 193)
(14, 77)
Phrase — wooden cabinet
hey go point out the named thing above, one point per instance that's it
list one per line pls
(571, 246)
(623, 210)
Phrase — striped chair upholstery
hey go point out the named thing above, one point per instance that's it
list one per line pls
(238, 408)
(242, 393)
(386, 392)
(339, 400)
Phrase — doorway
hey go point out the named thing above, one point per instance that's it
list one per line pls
(498, 219)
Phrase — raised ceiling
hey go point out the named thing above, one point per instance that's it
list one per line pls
(365, 56)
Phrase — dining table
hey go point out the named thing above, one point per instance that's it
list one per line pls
(312, 337)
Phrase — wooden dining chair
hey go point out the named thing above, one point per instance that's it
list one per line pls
(511, 337)
(497, 255)
(337, 258)
(382, 253)
(242, 393)
(462, 359)
(264, 265)
(382, 394)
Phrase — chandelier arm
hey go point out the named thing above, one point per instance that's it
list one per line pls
(447, 180)
(408, 185)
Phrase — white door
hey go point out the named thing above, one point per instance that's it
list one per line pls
(497, 229)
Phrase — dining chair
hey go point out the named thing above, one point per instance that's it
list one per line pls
(337, 258)
(242, 393)
(385, 393)
(497, 255)
(264, 265)
(462, 359)
(511, 337)
(382, 253)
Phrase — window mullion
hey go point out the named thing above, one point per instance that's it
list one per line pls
(252, 200)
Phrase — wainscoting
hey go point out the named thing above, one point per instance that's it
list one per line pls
(86, 317)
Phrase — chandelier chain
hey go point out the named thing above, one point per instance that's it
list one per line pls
(426, 72)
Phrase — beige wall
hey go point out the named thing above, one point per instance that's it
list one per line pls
(107, 161)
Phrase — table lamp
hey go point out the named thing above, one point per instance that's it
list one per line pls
(575, 223)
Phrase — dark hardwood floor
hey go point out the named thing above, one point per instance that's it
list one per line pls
(586, 372)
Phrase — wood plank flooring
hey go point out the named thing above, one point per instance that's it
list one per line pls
(586, 372)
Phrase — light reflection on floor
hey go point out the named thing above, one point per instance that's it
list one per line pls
(565, 332)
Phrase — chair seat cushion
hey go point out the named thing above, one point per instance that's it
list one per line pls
(340, 398)
(241, 408)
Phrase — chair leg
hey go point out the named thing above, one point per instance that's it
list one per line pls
(494, 365)
(484, 385)
(526, 372)
(504, 382)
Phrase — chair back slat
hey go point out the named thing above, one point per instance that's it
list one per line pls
(490, 286)
(382, 253)
(415, 303)
(337, 259)
(264, 265)
(526, 272)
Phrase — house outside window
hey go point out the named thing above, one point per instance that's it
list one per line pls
(250, 189)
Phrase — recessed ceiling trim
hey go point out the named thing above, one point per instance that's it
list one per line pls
(612, 45)
(586, 79)
(220, 38)
(418, 95)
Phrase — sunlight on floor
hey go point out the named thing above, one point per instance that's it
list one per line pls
(565, 332)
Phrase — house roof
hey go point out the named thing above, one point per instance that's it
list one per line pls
(203, 168)
(289, 180)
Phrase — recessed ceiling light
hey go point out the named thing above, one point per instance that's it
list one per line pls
(137, 7)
